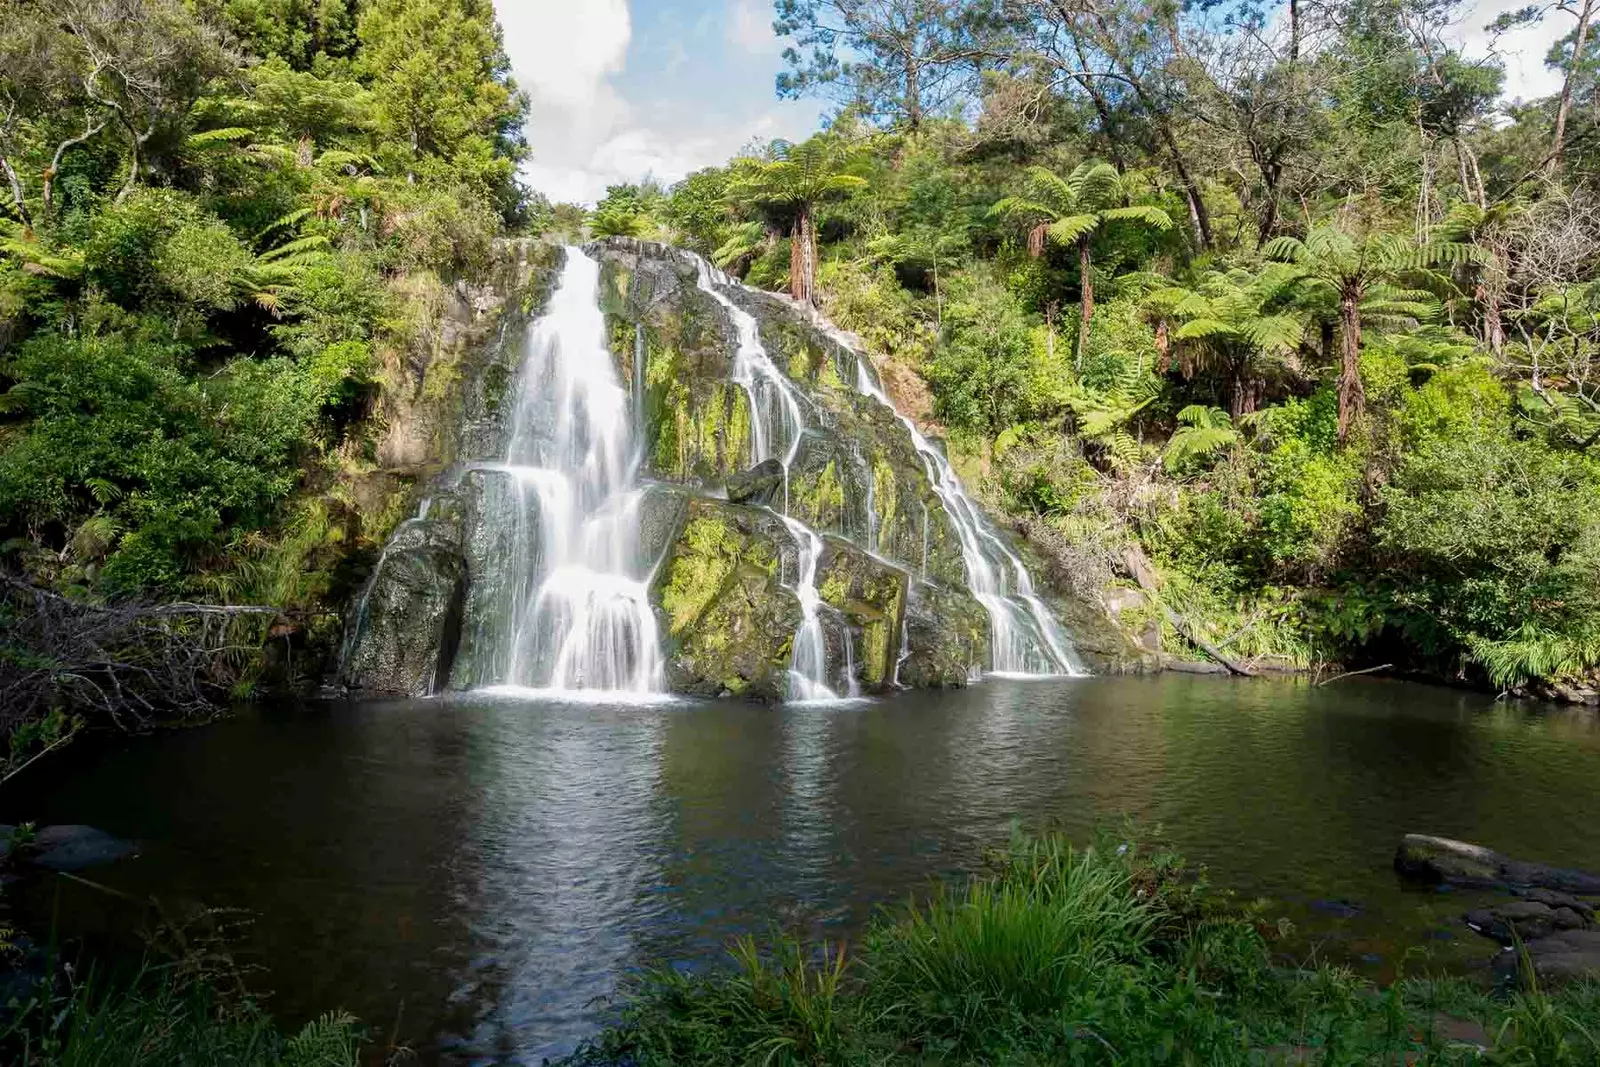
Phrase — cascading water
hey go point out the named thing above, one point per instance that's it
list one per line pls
(776, 423)
(580, 614)
(1025, 638)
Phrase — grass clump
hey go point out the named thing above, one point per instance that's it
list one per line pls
(158, 1018)
(1059, 955)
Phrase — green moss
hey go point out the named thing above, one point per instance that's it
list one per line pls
(821, 497)
(886, 499)
(707, 556)
(875, 638)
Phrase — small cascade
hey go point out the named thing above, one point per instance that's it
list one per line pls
(775, 402)
(580, 613)
(1025, 638)
(808, 669)
(776, 424)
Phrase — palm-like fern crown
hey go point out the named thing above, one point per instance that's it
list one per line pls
(798, 174)
(1235, 309)
(1070, 208)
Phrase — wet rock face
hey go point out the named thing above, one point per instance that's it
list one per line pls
(761, 485)
(406, 626)
(728, 620)
(869, 596)
(948, 634)
(674, 351)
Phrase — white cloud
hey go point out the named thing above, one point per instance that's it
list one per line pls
(586, 135)
(1522, 52)
(750, 25)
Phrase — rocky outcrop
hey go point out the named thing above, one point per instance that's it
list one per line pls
(442, 400)
(891, 579)
(729, 620)
(1440, 859)
(761, 485)
(404, 630)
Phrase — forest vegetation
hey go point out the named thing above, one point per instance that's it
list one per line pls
(222, 223)
(1287, 309)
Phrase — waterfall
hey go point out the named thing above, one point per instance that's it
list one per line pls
(808, 669)
(776, 422)
(1024, 636)
(580, 614)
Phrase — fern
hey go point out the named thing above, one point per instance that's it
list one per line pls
(330, 1041)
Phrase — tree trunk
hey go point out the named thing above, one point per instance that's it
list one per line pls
(1086, 287)
(1352, 395)
(913, 94)
(17, 196)
(1164, 346)
(1294, 30)
(1565, 108)
(803, 258)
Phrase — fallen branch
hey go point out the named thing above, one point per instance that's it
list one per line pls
(1146, 578)
(1352, 674)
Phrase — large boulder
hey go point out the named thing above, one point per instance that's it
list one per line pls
(70, 847)
(728, 619)
(404, 628)
(1441, 859)
(869, 594)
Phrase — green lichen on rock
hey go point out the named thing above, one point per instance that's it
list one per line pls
(871, 596)
(696, 421)
(948, 635)
(730, 622)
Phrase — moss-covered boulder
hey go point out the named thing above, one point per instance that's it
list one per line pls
(870, 596)
(947, 635)
(727, 618)
(675, 348)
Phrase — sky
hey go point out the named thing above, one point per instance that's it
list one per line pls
(624, 89)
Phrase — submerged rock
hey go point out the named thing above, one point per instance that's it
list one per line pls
(71, 847)
(761, 484)
(1440, 859)
(729, 621)
(406, 625)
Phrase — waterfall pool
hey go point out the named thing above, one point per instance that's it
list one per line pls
(475, 873)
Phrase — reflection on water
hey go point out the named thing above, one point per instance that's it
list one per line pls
(473, 874)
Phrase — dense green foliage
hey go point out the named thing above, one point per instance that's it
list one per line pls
(208, 206)
(161, 1019)
(1106, 955)
(1294, 308)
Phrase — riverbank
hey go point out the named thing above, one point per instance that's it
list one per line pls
(1108, 954)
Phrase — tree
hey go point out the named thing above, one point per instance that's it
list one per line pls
(1202, 432)
(1364, 278)
(1070, 211)
(792, 184)
(1239, 323)
(442, 88)
(916, 56)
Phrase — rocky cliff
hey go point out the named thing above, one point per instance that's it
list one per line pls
(886, 587)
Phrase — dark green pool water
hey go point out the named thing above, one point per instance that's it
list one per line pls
(473, 874)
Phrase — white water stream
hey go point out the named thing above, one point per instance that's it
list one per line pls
(581, 620)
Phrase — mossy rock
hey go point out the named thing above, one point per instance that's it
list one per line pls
(727, 619)
(674, 351)
(948, 633)
(870, 596)
(404, 628)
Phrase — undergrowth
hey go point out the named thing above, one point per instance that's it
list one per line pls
(1058, 955)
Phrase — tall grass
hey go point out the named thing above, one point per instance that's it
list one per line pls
(1057, 955)
(158, 1019)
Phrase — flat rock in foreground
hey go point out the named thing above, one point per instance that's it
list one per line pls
(1440, 859)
